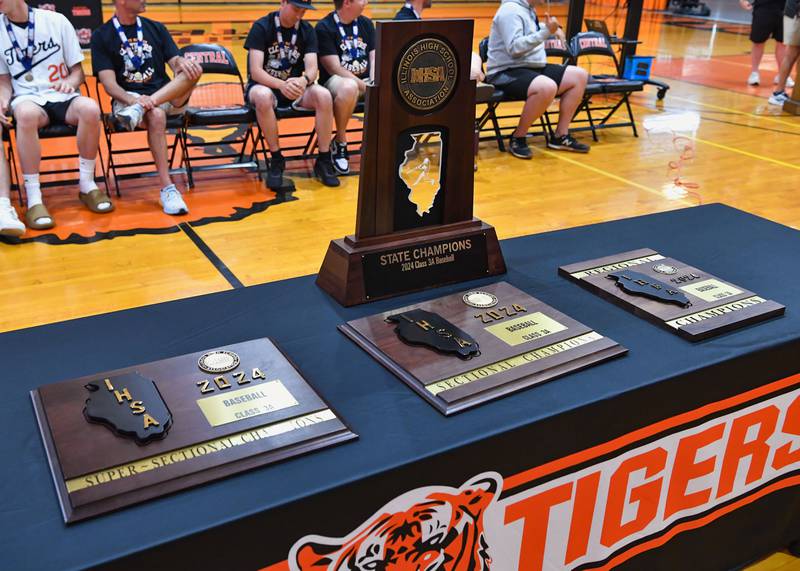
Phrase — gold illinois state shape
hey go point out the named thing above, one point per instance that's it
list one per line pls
(427, 74)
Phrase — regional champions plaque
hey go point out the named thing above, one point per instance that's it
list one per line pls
(681, 298)
(125, 436)
(461, 350)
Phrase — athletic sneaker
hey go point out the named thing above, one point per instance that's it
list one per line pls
(10, 224)
(754, 78)
(567, 143)
(324, 171)
(172, 201)
(778, 98)
(518, 146)
(789, 82)
(130, 117)
(340, 157)
(275, 173)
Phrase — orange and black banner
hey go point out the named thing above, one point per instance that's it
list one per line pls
(593, 509)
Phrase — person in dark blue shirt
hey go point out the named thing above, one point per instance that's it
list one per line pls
(412, 10)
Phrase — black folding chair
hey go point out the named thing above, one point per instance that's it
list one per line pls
(175, 124)
(587, 44)
(215, 104)
(57, 131)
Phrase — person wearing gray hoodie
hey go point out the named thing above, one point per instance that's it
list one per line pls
(517, 64)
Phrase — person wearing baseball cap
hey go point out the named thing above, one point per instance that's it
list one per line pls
(282, 70)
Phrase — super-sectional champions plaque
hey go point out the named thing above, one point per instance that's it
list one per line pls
(683, 299)
(125, 436)
(467, 348)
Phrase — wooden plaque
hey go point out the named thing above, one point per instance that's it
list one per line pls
(521, 342)
(199, 417)
(415, 227)
(717, 306)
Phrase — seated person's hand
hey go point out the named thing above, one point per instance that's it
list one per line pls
(147, 102)
(63, 87)
(552, 24)
(746, 5)
(293, 88)
(192, 69)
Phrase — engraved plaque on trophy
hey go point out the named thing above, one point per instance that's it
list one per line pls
(415, 227)
(464, 349)
(683, 299)
(125, 436)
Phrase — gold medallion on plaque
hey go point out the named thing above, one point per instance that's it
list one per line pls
(427, 74)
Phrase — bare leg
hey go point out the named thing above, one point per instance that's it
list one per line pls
(264, 101)
(30, 118)
(85, 113)
(343, 106)
(780, 52)
(786, 66)
(177, 91)
(571, 91)
(156, 122)
(319, 99)
(755, 56)
(541, 92)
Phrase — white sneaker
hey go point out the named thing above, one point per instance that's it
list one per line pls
(129, 117)
(754, 78)
(778, 98)
(172, 201)
(10, 224)
(340, 157)
(789, 82)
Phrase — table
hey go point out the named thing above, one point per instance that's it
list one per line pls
(605, 456)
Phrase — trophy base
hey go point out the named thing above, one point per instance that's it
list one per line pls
(359, 271)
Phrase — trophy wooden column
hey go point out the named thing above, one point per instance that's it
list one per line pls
(415, 227)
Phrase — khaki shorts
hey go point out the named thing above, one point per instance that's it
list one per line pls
(791, 31)
(168, 107)
(334, 84)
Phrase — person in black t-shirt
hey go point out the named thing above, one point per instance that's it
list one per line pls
(129, 54)
(347, 59)
(282, 69)
(412, 10)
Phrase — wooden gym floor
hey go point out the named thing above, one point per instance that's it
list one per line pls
(713, 139)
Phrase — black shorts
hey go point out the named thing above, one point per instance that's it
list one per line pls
(57, 111)
(767, 21)
(515, 82)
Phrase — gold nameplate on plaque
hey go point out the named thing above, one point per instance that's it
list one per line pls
(711, 290)
(244, 403)
(525, 328)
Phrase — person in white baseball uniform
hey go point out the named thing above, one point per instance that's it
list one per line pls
(40, 79)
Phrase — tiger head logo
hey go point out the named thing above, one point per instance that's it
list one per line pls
(434, 528)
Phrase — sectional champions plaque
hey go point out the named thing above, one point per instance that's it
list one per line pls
(464, 349)
(683, 299)
(125, 436)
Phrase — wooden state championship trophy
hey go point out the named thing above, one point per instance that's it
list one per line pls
(415, 228)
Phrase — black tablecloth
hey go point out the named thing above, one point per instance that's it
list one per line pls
(251, 519)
